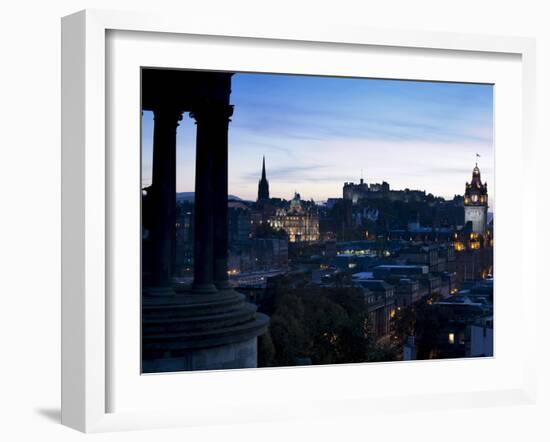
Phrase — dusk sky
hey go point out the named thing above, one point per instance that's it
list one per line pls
(318, 132)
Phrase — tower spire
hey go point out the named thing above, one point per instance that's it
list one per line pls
(263, 185)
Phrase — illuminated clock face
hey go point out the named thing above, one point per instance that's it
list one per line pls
(474, 215)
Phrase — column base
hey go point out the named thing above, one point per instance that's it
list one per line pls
(197, 331)
(222, 285)
(158, 291)
(204, 288)
(235, 355)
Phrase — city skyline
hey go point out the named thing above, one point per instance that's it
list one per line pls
(383, 272)
(319, 132)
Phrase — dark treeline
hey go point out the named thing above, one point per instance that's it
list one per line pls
(319, 326)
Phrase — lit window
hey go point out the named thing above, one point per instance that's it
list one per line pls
(451, 338)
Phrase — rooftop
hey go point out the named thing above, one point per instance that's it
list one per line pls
(376, 284)
(362, 275)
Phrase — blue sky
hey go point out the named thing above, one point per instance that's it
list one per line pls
(317, 132)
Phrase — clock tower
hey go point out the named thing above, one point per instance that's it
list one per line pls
(476, 203)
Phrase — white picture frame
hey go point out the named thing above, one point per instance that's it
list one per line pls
(87, 353)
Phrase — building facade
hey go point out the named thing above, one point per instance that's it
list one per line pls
(301, 223)
(473, 244)
(476, 203)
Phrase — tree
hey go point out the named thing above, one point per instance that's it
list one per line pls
(424, 321)
(266, 350)
(325, 325)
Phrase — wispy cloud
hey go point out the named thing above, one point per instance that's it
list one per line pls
(317, 133)
(288, 172)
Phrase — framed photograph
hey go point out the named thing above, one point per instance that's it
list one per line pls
(272, 223)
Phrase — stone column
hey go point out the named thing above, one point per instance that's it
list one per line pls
(163, 222)
(221, 243)
(210, 254)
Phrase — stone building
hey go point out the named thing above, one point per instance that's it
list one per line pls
(299, 221)
(377, 191)
(355, 192)
(381, 305)
(258, 254)
(473, 243)
(240, 222)
(476, 203)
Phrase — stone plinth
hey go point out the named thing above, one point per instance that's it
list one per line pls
(191, 331)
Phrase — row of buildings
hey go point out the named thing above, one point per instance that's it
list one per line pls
(448, 268)
(261, 232)
(395, 265)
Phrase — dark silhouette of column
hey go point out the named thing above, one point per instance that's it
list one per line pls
(163, 220)
(211, 133)
(220, 119)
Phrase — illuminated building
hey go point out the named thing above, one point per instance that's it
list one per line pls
(476, 203)
(299, 222)
(473, 244)
(298, 219)
(475, 234)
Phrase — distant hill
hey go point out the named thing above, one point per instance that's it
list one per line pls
(190, 196)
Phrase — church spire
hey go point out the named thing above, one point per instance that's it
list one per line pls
(263, 185)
